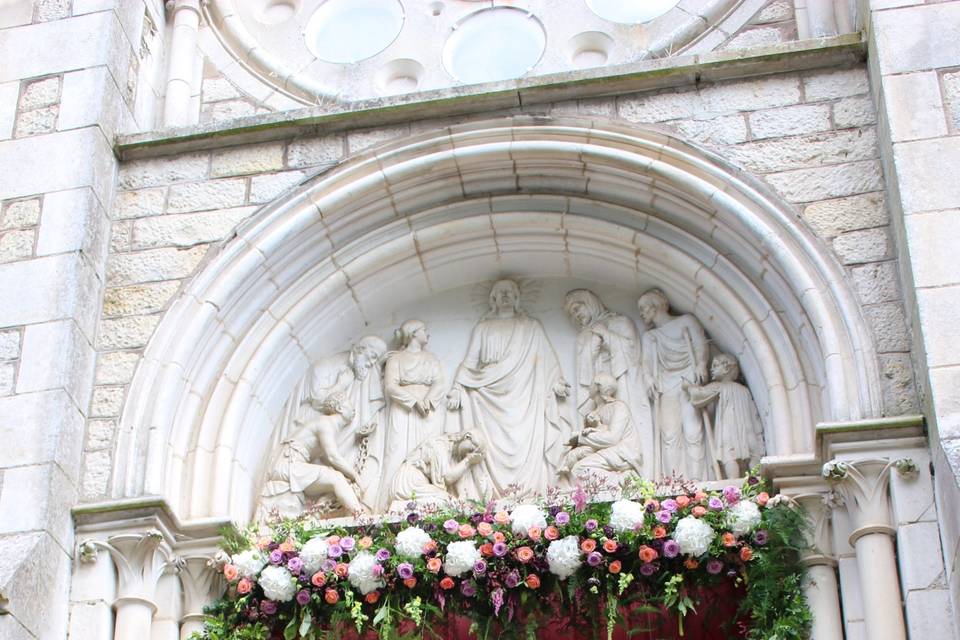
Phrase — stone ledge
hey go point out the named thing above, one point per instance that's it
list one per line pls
(833, 52)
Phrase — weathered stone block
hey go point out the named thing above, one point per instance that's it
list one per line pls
(658, 107)
(38, 287)
(889, 327)
(226, 110)
(951, 92)
(830, 218)
(363, 139)
(8, 378)
(47, 10)
(790, 121)
(10, 344)
(940, 319)
(153, 265)
(188, 229)
(914, 106)
(201, 196)
(876, 282)
(760, 37)
(749, 95)
(140, 203)
(856, 111)
(16, 244)
(215, 89)
(932, 236)
(106, 402)
(268, 187)
(74, 221)
(312, 152)
(719, 131)
(928, 162)
(116, 367)
(828, 85)
(96, 474)
(927, 615)
(905, 41)
(815, 150)
(245, 160)
(821, 183)
(126, 333)
(21, 213)
(139, 299)
(37, 498)
(865, 245)
(150, 172)
(31, 123)
(40, 93)
(121, 232)
(100, 434)
(778, 11)
(920, 567)
(56, 355)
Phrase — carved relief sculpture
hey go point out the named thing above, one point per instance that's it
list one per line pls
(415, 386)
(309, 465)
(608, 443)
(675, 349)
(508, 389)
(607, 342)
(738, 433)
(439, 470)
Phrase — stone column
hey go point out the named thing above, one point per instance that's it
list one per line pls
(182, 56)
(820, 584)
(862, 487)
(202, 582)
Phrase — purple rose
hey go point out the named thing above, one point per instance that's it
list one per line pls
(405, 570)
(303, 597)
(468, 589)
(714, 566)
(671, 548)
(347, 543)
(590, 525)
(594, 559)
(760, 537)
(670, 505)
(382, 555)
(269, 607)
(650, 506)
(664, 516)
(295, 565)
(451, 526)
(608, 531)
(731, 495)
(276, 556)
(377, 570)
(563, 518)
(412, 518)
(649, 568)
(328, 565)
(753, 481)
(715, 503)
(334, 551)
(480, 567)
(512, 579)
(499, 549)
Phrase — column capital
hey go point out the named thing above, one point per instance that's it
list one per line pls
(173, 6)
(140, 559)
(862, 487)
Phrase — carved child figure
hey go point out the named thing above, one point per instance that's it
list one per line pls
(739, 433)
(310, 465)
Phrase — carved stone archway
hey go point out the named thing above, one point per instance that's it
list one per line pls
(596, 200)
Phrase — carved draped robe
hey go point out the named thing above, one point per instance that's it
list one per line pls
(507, 381)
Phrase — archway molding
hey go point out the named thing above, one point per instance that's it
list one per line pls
(585, 199)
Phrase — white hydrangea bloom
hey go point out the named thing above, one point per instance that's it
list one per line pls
(743, 517)
(693, 535)
(361, 574)
(250, 562)
(625, 515)
(460, 558)
(277, 584)
(525, 516)
(313, 554)
(410, 542)
(563, 556)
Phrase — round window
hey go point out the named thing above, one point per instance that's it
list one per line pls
(494, 44)
(344, 31)
(633, 12)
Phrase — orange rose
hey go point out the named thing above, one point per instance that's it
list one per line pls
(333, 539)
(410, 583)
(331, 596)
(659, 532)
(433, 565)
(609, 545)
(319, 579)
(648, 554)
(372, 597)
(446, 583)
(699, 496)
(230, 572)
(551, 533)
(588, 545)
(746, 554)
(486, 549)
(341, 570)
(244, 586)
(430, 546)
(682, 501)
(485, 528)
(533, 581)
(729, 540)
(287, 546)
(524, 554)
(698, 511)
(614, 567)
(534, 533)
(763, 498)
(498, 536)
(501, 517)
(365, 542)
(466, 531)
(691, 563)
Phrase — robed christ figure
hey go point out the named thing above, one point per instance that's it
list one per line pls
(508, 388)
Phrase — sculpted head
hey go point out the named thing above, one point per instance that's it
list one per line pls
(412, 330)
(583, 307)
(337, 404)
(366, 353)
(605, 386)
(505, 296)
(651, 304)
(724, 368)
(468, 442)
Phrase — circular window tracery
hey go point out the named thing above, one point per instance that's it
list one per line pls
(634, 12)
(345, 31)
(492, 44)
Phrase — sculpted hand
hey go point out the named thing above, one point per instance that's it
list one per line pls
(421, 407)
(561, 389)
(474, 457)
(453, 399)
(591, 420)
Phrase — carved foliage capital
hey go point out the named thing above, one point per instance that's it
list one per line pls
(140, 559)
(202, 580)
(862, 487)
(817, 507)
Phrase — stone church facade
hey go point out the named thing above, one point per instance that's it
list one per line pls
(195, 208)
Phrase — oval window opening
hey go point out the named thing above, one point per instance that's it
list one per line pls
(499, 43)
(633, 12)
(344, 31)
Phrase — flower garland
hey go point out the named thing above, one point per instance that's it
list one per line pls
(511, 571)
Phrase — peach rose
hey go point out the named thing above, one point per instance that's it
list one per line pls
(331, 596)
(287, 546)
(365, 542)
(729, 540)
(410, 583)
(341, 570)
(446, 583)
(691, 563)
(682, 501)
(648, 554)
(333, 539)
(434, 565)
(659, 532)
(498, 536)
(588, 545)
(263, 542)
(430, 546)
(524, 554)
(699, 496)
(244, 586)
(533, 581)
(534, 533)
(614, 567)
(319, 579)
(372, 597)
(609, 545)
(763, 498)
(230, 572)
(466, 531)
(501, 517)
(746, 554)
(485, 528)
(698, 511)
(551, 533)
